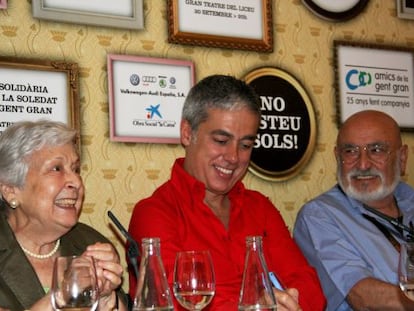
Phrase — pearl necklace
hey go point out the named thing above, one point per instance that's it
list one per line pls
(45, 256)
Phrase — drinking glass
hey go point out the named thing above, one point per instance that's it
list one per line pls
(194, 281)
(406, 269)
(74, 284)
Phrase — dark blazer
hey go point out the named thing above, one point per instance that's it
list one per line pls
(20, 287)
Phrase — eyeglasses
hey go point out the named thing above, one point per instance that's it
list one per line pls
(378, 153)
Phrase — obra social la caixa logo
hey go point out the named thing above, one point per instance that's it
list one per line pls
(153, 111)
(355, 79)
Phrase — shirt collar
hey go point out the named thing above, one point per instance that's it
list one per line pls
(400, 195)
(196, 188)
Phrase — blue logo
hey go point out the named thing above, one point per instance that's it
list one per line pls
(153, 110)
(355, 79)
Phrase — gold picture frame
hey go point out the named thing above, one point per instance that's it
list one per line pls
(247, 25)
(32, 89)
(280, 153)
(335, 11)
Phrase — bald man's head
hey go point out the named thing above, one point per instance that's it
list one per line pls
(370, 156)
(384, 126)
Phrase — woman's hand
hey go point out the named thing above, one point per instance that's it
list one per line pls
(109, 272)
(287, 300)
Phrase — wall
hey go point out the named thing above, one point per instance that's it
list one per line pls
(118, 174)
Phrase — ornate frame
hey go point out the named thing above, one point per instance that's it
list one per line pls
(199, 25)
(32, 89)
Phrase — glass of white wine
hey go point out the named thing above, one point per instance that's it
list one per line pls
(406, 269)
(74, 284)
(194, 281)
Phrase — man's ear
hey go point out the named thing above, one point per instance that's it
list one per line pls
(185, 133)
(403, 159)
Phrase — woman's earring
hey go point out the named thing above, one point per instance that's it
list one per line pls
(13, 203)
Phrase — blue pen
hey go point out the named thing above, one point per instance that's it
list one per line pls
(275, 281)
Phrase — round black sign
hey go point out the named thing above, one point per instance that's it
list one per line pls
(336, 10)
(286, 136)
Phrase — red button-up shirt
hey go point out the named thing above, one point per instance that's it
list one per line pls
(177, 215)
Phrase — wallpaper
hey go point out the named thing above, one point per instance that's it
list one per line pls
(118, 174)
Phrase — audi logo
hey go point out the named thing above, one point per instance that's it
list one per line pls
(149, 79)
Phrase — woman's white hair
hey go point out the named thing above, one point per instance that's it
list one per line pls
(21, 139)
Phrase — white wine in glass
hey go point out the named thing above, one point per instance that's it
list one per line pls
(74, 284)
(406, 269)
(194, 280)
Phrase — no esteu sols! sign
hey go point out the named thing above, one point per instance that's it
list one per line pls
(286, 136)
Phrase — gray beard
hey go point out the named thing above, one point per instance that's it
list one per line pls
(378, 194)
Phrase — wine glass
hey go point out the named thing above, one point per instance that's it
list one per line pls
(74, 284)
(406, 269)
(194, 281)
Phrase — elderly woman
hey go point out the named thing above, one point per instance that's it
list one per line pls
(41, 199)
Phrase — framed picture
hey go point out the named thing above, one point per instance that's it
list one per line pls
(335, 10)
(374, 77)
(146, 96)
(120, 13)
(36, 89)
(242, 24)
(405, 9)
(3, 4)
(283, 101)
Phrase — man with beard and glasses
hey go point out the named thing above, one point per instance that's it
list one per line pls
(344, 233)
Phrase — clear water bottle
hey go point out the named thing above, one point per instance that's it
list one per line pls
(256, 292)
(153, 292)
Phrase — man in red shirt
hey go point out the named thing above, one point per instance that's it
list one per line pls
(206, 206)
